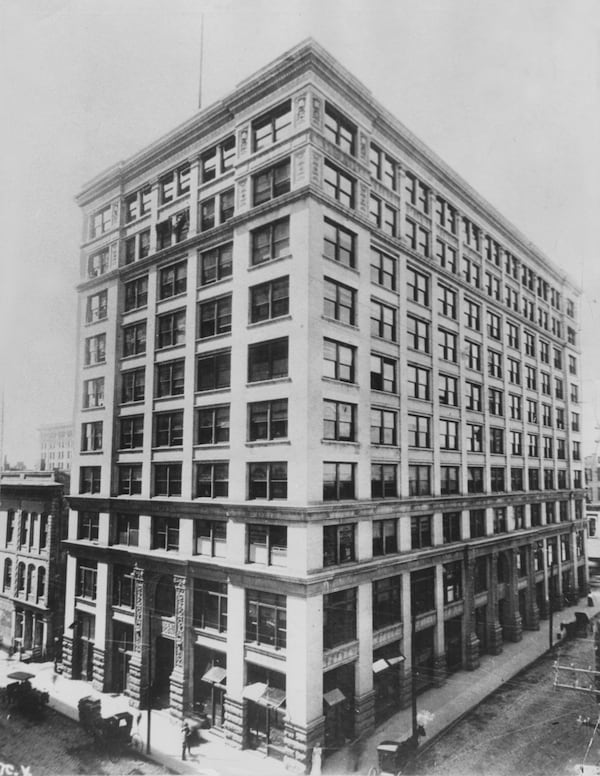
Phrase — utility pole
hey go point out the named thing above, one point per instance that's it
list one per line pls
(201, 60)
(413, 663)
(149, 695)
(550, 608)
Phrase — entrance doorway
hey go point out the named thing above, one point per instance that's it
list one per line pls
(424, 640)
(122, 651)
(164, 661)
(210, 677)
(338, 705)
(83, 647)
(481, 628)
(453, 644)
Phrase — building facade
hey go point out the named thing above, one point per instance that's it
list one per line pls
(56, 446)
(326, 394)
(33, 522)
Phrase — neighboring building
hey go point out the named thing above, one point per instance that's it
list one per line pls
(56, 447)
(592, 479)
(33, 521)
(324, 388)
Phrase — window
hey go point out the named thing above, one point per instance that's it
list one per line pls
(495, 403)
(339, 301)
(88, 526)
(514, 371)
(419, 431)
(170, 329)
(272, 127)
(545, 383)
(267, 544)
(534, 479)
(216, 264)
(339, 617)
(497, 441)
(174, 184)
(210, 605)
(131, 432)
(268, 360)
(137, 204)
(471, 272)
(449, 480)
(130, 479)
(383, 269)
(574, 421)
(212, 480)
(214, 317)
(533, 445)
(211, 538)
(446, 255)
(95, 350)
(418, 334)
(571, 336)
(417, 192)
(446, 215)
(100, 222)
(217, 160)
(91, 436)
(89, 479)
(338, 544)
(418, 237)
(339, 130)
(338, 184)
(477, 523)
(134, 339)
(212, 425)
(475, 479)
(87, 577)
(385, 537)
(170, 378)
(267, 480)
(547, 447)
(268, 242)
(267, 420)
(266, 619)
(516, 443)
(473, 396)
(7, 579)
(268, 300)
(473, 355)
(386, 602)
(548, 479)
(497, 479)
(493, 286)
(515, 406)
(546, 415)
(447, 345)
(165, 533)
(419, 380)
(471, 234)
(574, 393)
(493, 325)
(419, 480)
(418, 287)
(423, 590)
(133, 385)
(213, 371)
(136, 293)
(339, 421)
(529, 344)
(494, 363)
(384, 482)
(383, 427)
(447, 302)
(98, 263)
(474, 438)
(448, 390)
(383, 167)
(10, 526)
(452, 581)
(448, 438)
(576, 450)
(338, 481)
(451, 527)
(168, 429)
(338, 361)
(500, 520)
(472, 315)
(572, 365)
(384, 216)
(532, 411)
(96, 308)
(512, 334)
(561, 479)
(167, 479)
(271, 183)
(339, 244)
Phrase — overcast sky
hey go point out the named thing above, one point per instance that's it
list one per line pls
(506, 92)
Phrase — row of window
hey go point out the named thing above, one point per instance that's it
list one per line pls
(32, 532)
(30, 581)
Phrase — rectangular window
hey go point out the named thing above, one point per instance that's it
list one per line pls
(477, 523)
(167, 479)
(207, 214)
(268, 360)
(338, 481)
(133, 385)
(474, 438)
(383, 269)
(339, 130)
(472, 315)
(516, 443)
(89, 479)
(213, 371)
(548, 479)
(447, 302)
(216, 264)
(423, 590)
(446, 255)
(271, 241)
(383, 321)
(496, 402)
(418, 334)
(210, 605)
(419, 382)
(339, 617)
(339, 244)
(87, 579)
(136, 293)
(471, 272)
(512, 335)
(339, 544)
(497, 440)
(383, 167)
(515, 406)
(473, 396)
(96, 308)
(212, 480)
(211, 538)
(266, 619)
(417, 193)
(418, 287)
(451, 522)
(385, 537)
(448, 434)
(447, 342)
(339, 301)
(419, 480)
(271, 183)
(95, 350)
(88, 526)
(475, 479)
(338, 361)
(270, 300)
(448, 390)
(338, 184)
(339, 421)
(165, 533)
(137, 204)
(98, 263)
(446, 215)
(449, 479)
(384, 480)
(175, 184)
(268, 420)
(214, 317)
(473, 354)
(170, 329)
(212, 425)
(272, 126)
(383, 427)
(217, 160)
(127, 530)
(267, 480)
(100, 221)
(418, 237)
(168, 429)
(130, 479)
(516, 478)
(493, 325)
(123, 587)
(91, 436)
(497, 479)
(419, 431)
(134, 339)
(494, 364)
(172, 280)
(387, 602)
(452, 582)
(170, 378)
(499, 520)
(514, 371)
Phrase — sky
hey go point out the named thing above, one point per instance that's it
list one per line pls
(507, 92)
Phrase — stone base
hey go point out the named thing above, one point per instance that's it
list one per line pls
(98, 672)
(532, 621)
(472, 661)
(405, 688)
(515, 630)
(300, 742)
(67, 656)
(138, 684)
(177, 692)
(495, 638)
(439, 670)
(233, 725)
(364, 714)
(544, 609)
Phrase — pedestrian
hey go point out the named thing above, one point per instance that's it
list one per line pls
(317, 753)
(185, 740)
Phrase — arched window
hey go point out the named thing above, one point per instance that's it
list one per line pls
(164, 602)
(23, 529)
(10, 526)
(7, 581)
(33, 518)
(30, 571)
(41, 583)
(20, 577)
(43, 530)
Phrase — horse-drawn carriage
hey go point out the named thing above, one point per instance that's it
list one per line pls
(21, 696)
(113, 732)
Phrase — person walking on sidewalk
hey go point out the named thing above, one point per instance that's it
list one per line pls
(185, 740)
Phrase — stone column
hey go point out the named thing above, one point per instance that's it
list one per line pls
(439, 657)
(67, 644)
(364, 694)
(471, 642)
(516, 624)
(532, 620)
(495, 629)
(234, 705)
(99, 675)
(138, 667)
(179, 689)
(406, 678)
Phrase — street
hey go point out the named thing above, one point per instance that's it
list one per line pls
(525, 728)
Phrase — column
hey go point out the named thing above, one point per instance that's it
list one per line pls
(100, 642)
(364, 695)
(495, 629)
(439, 657)
(532, 620)
(67, 644)
(233, 725)
(139, 665)
(406, 677)
(471, 642)
(304, 727)
(515, 621)
(180, 690)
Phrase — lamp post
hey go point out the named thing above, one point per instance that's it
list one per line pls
(148, 721)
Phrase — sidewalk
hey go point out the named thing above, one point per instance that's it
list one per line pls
(461, 692)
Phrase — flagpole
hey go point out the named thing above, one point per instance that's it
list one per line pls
(201, 60)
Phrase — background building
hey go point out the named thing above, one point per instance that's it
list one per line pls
(325, 391)
(33, 521)
(56, 446)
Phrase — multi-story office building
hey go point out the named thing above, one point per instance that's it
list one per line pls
(33, 521)
(592, 479)
(325, 390)
(56, 446)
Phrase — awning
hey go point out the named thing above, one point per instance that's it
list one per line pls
(215, 675)
(333, 697)
(263, 695)
(252, 692)
(393, 661)
(380, 665)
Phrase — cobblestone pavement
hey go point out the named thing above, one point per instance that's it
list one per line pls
(525, 728)
(57, 746)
